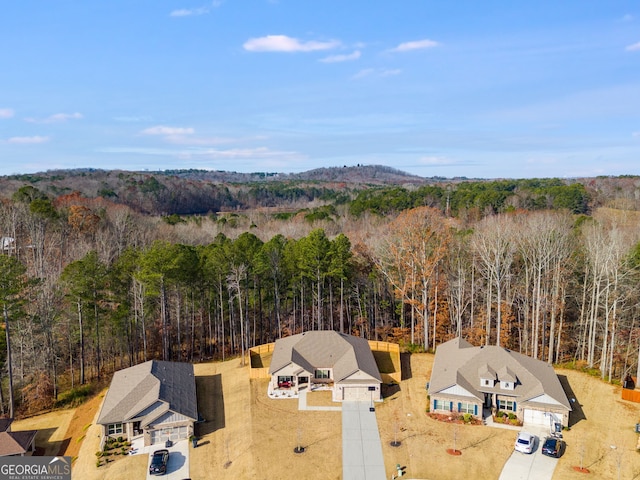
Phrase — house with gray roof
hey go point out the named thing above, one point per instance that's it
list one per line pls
(18, 443)
(156, 399)
(482, 380)
(325, 358)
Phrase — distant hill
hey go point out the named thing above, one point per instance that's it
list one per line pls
(375, 188)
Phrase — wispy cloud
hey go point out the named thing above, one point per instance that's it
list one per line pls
(627, 18)
(633, 48)
(167, 131)
(436, 161)
(341, 58)
(283, 43)
(133, 119)
(371, 72)
(636, 134)
(193, 12)
(56, 118)
(6, 113)
(211, 153)
(415, 45)
(28, 140)
(390, 72)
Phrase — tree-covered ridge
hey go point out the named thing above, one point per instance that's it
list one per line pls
(199, 192)
(484, 197)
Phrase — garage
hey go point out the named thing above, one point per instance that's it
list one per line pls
(358, 393)
(535, 417)
(173, 433)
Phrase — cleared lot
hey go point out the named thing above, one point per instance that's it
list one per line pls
(248, 436)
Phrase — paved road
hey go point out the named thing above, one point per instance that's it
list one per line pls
(534, 466)
(361, 446)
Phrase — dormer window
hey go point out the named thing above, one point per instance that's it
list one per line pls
(506, 385)
(487, 376)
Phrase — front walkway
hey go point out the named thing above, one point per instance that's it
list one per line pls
(361, 446)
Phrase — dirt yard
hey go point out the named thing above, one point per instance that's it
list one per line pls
(249, 436)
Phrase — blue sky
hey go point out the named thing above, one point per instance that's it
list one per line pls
(435, 88)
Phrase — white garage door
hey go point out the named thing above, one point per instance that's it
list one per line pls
(356, 393)
(535, 417)
(174, 434)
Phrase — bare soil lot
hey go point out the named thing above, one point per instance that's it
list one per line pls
(246, 435)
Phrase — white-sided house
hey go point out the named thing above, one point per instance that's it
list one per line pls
(326, 358)
(481, 380)
(156, 399)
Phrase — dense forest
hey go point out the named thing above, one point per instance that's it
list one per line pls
(101, 270)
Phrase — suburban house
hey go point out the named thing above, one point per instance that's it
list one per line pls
(156, 399)
(18, 443)
(482, 380)
(326, 359)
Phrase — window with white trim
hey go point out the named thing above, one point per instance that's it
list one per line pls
(322, 374)
(441, 405)
(506, 405)
(115, 428)
(465, 407)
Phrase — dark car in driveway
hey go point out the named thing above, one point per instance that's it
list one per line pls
(159, 462)
(552, 447)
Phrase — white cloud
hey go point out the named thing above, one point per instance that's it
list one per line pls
(635, 134)
(283, 43)
(192, 12)
(168, 131)
(634, 47)
(627, 18)
(56, 118)
(341, 58)
(6, 113)
(364, 73)
(415, 45)
(390, 72)
(28, 140)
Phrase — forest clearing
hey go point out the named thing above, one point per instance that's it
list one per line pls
(247, 435)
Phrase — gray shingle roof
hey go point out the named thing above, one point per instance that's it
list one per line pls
(345, 354)
(458, 362)
(136, 388)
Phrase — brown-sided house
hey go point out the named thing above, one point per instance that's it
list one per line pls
(326, 358)
(156, 399)
(481, 380)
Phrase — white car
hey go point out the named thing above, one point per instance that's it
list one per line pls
(525, 442)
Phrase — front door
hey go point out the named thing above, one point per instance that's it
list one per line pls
(488, 400)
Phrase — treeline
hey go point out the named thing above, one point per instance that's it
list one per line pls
(196, 193)
(88, 286)
(478, 198)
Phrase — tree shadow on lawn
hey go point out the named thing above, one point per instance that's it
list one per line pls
(577, 413)
(210, 404)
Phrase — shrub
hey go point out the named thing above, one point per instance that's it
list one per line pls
(512, 416)
(466, 417)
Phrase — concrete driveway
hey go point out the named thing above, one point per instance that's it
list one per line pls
(178, 466)
(534, 466)
(361, 446)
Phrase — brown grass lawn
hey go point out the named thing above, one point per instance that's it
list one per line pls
(246, 435)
